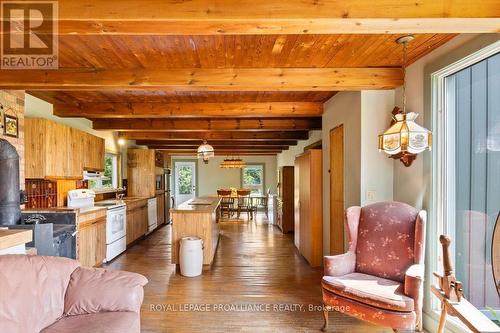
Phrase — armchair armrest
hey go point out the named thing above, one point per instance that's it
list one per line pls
(93, 290)
(414, 278)
(339, 265)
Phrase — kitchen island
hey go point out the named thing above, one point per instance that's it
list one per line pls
(197, 217)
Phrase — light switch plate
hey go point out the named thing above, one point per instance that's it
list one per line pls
(371, 195)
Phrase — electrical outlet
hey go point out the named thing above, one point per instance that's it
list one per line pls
(371, 195)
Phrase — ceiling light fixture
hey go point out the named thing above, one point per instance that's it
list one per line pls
(405, 138)
(205, 151)
(232, 163)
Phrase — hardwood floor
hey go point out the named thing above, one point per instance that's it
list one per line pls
(255, 265)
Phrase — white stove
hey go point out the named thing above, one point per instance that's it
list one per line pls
(116, 227)
(82, 198)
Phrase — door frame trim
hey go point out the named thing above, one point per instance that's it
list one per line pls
(197, 182)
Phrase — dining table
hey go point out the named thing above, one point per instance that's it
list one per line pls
(255, 200)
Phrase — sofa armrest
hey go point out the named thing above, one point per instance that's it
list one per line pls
(414, 278)
(339, 265)
(93, 290)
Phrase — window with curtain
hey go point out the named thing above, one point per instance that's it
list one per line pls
(252, 177)
(473, 101)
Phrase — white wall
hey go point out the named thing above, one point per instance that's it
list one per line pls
(364, 114)
(211, 177)
(287, 157)
(343, 108)
(376, 168)
(414, 185)
(410, 185)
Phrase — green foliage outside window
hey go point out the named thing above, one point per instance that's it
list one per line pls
(253, 179)
(252, 176)
(185, 180)
(108, 172)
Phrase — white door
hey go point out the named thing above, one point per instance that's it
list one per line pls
(185, 181)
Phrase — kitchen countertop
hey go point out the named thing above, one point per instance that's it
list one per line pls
(188, 207)
(64, 209)
(14, 237)
(80, 211)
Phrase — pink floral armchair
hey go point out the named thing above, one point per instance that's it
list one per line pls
(380, 278)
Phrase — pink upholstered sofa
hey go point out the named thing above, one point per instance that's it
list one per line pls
(380, 278)
(56, 295)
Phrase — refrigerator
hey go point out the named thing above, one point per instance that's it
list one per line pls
(169, 199)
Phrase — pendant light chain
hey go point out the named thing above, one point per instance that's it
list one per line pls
(404, 76)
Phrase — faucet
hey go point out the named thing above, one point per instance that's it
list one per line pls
(120, 193)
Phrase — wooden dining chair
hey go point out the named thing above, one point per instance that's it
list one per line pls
(244, 203)
(260, 202)
(227, 202)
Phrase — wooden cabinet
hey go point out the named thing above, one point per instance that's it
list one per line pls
(137, 219)
(286, 199)
(160, 207)
(56, 151)
(141, 173)
(94, 148)
(309, 206)
(77, 153)
(92, 242)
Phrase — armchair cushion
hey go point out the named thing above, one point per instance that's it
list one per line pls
(109, 322)
(93, 290)
(386, 240)
(339, 265)
(32, 291)
(378, 292)
(414, 278)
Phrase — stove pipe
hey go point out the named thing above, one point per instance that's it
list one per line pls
(10, 211)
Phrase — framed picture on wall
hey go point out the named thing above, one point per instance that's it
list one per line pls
(11, 126)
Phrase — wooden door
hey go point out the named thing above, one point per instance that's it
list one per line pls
(100, 231)
(297, 203)
(75, 158)
(305, 212)
(87, 149)
(337, 190)
(35, 132)
(143, 225)
(160, 208)
(100, 152)
(131, 221)
(57, 150)
(87, 245)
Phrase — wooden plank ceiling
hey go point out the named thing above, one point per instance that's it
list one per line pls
(172, 74)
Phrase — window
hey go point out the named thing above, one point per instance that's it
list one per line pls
(185, 180)
(470, 175)
(252, 177)
(110, 173)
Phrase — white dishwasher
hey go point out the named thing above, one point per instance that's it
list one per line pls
(152, 215)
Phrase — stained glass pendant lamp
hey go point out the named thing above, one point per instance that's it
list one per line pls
(405, 138)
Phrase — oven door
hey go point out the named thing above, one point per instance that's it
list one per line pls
(116, 224)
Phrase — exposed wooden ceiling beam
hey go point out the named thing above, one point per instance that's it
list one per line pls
(190, 125)
(199, 79)
(231, 152)
(225, 135)
(161, 110)
(220, 143)
(218, 148)
(202, 17)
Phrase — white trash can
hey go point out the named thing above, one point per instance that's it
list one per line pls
(191, 256)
